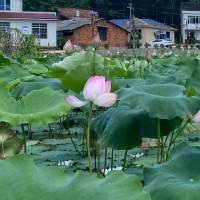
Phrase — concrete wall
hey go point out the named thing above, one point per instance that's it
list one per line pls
(51, 30)
(190, 27)
(16, 5)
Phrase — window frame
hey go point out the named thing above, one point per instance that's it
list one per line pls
(103, 38)
(37, 29)
(6, 5)
(7, 27)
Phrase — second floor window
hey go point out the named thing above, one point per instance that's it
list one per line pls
(4, 4)
(39, 30)
(193, 19)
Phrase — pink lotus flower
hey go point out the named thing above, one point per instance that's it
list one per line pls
(194, 119)
(148, 56)
(118, 52)
(96, 90)
(96, 42)
(68, 47)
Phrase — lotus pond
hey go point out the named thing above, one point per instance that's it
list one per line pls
(145, 146)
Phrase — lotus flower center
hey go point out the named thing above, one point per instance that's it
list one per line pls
(192, 180)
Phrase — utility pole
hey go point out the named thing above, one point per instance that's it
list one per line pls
(92, 21)
(133, 31)
(130, 22)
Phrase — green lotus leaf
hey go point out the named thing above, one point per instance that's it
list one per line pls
(5, 59)
(35, 84)
(193, 81)
(37, 69)
(123, 127)
(177, 179)
(164, 101)
(168, 69)
(45, 60)
(16, 70)
(11, 147)
(186, 71)
(12, 84)
(155, 79)
(129, 82)
(39, 107)
(5, 132)
(166, 61)
(51, 183)
(58, 70)
(75, 70)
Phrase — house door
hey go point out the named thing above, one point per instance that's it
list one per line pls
(191, 34)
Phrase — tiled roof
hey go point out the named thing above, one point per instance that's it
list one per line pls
(125, 22)
(28, 15)
(69, 12)
(155, 23)
(72, 24)
(190, 6)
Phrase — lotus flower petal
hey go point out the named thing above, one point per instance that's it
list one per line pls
(74, 101)
(96, 42)
(108, 87)
(106, 99)
(148, 56)
(94, 87)
(196, 118)
(68, 47)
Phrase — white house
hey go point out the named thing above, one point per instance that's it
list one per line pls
(190, 21)
(42, 24)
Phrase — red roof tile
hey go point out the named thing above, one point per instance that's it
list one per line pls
(28, 15)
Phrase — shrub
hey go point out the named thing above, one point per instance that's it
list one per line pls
(147, 45)
(155, 46)
(191, 41)
(106, 46)
(83, 46)
(178, 46)
(61, 42)
(197, 46)
(170, 46)
(162, 46)
(129, 45)
(138, 44)
(185, 46)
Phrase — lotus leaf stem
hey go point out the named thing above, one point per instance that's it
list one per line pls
(98, 145)
(94, 62)
(88, 139)
(162, 151)
(173, 140)
(169, 146)
(164, 147)
(125, 160)
(71, 136)
(24, 135)
(50, 130)
(158, 144)
(112, 161)
(2, 150)
(104, 171)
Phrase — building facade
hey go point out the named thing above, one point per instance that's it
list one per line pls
(41, 24)
(79, 31)
(147, 29)
(190, 21)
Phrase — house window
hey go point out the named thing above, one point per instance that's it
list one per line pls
(193, 19)
(168, 34)
(102, 33)
(39, 30)
(4, 25)
(139, 34)
(4, 4)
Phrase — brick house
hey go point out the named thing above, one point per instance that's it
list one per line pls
(79, 31)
